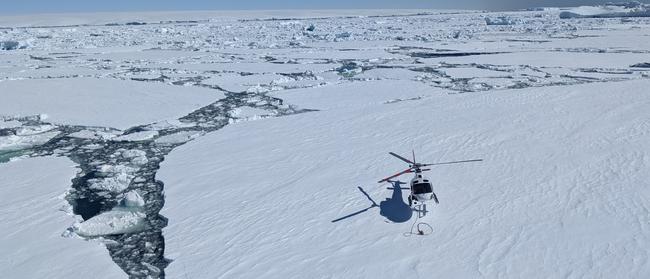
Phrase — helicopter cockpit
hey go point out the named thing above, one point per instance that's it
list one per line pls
(422, 188)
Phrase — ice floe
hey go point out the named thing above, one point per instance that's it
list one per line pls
(624, 9)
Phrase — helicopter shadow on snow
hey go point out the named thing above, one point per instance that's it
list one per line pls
(394, 209)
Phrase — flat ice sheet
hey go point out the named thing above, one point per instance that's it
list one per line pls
(358, 94)
(32, 223)
(561, 190)
(552, 59)
(101, 102)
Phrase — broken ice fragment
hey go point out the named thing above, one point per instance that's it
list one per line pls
(127, 217)
(117, 221)
(9, 45)
(641, 65)
(137, 136)
(27, 136)
(132, 199)
(502, 20)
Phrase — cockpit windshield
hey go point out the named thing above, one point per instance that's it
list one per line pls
(422, 188)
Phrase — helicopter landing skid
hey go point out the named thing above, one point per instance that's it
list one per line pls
(421, 209)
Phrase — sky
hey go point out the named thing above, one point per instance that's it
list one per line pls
(59, 6)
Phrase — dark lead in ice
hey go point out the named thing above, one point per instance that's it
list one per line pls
(139, 254)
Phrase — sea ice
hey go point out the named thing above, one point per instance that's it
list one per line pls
(625, 9)
(117, 221)
(34, 215)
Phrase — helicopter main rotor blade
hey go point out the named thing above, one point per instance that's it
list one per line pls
(402, 158)
(395, 175)
(454, 162)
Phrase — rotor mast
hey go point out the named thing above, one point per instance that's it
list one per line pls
(417, 167)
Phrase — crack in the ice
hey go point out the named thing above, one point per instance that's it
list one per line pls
(94, 190)
(111, 165)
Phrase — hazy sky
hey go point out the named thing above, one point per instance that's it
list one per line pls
(53, 6)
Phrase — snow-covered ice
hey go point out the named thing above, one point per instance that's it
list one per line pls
(178, 137)
(249, 113)
(502, 20)
(137, 136)
(236, 138)
(9, 124)
(100, 101)
(117, 221)
(33, 221)
(560, 191)
(623, 9)
(27, 136)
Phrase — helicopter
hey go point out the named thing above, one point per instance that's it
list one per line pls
(420, 186)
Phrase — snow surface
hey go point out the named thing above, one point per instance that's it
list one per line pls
(624, 9)
(9, 124)
(100, 102)
(178, 138)
(502, 20)
(138, 136)
(54, 19)
(33, 221)
(554, 106)
(561, 191)
(249, 113)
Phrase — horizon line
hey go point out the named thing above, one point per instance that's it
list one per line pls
(263, 10)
